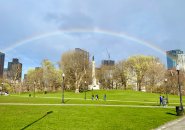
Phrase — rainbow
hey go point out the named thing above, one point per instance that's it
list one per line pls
(124, 35)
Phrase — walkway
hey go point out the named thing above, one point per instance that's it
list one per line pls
(98, 105)
(178, 124)
(99, 99)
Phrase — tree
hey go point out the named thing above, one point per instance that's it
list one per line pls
(121, 74)
(105, 76)
(52, 77)
(75, 65)
(172, 82)
(46, 78)
(139, 65)
(155, 74)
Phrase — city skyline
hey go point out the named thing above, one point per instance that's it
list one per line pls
(32, 31)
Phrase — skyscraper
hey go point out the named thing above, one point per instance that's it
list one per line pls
(14, 69)
(108, 62)
(175, 57)
(181, 61)
(84, 57)
(83, 53)
(2, 57)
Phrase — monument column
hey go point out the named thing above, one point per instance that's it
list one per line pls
(94, 85)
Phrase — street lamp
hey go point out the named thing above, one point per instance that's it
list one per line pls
(165, 80)
(63, 77)
(1, 88)
(85, 89)
(180, 93)
(34, 88)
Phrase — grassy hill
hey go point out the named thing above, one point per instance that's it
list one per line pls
(123, 110)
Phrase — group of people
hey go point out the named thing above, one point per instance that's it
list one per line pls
(163, 100)
(97, 97)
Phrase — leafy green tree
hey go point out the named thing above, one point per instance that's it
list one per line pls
(139, 65)
(45, 78)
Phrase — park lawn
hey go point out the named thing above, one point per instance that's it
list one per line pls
(93, 117)
(82, 118)
(113, 97)
(44, 100)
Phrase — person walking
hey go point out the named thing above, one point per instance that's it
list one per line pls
(161, 100)
(104, 97)
(97, 97)
(92, 97)
(164, 101)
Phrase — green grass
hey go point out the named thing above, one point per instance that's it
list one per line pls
(15, 117)
(113, 97)
(82, 118)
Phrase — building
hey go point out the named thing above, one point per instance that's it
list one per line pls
(181, 61)
(37, 68)
(84, 53)
(108, 62)
(172, 58)
(2, 58)
(14, 69)
(82, 57)
(25, 77)
(5, 73)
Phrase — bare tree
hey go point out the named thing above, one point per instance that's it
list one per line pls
(75, 65)
(121, 74)
(155, 74)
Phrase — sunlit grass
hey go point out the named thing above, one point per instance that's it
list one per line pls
(83, 118)
(93, 117)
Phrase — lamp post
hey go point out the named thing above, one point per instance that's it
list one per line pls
(165, 80)
(1, 88)
(85, 89)
(63, 77)
(34, 88)
(180, 93)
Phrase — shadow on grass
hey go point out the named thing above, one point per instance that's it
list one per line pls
(49, 112)
(66, 100)
(169, 113)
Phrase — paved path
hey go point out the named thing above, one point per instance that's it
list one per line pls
(99, 99)
(178, 124)
(98, 105)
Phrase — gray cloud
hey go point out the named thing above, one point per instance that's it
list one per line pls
(156, 21)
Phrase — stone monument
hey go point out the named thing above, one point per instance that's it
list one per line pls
(94, 85)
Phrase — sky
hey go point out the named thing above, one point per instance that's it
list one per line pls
(33, 30)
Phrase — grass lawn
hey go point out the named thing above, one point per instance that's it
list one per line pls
(82, 118)
(15, 117)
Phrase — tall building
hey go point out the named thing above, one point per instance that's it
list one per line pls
(108, 62)
(172, 58)
(84, 57)
(181, 61)
(84, 53)
(175, 57)
(14, 69)
(2, 57)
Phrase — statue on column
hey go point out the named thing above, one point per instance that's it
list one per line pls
(94, 85)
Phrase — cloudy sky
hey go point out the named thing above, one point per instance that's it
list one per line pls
(33, 30)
